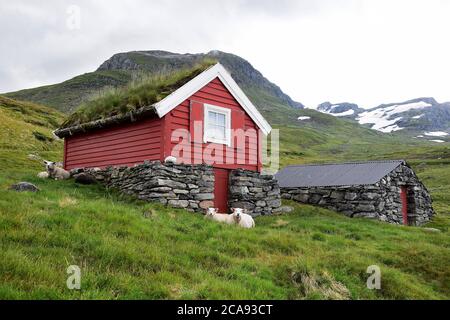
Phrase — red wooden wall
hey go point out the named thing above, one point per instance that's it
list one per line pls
(214, 93)
(120, 145)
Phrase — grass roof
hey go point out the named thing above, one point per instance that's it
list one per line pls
(140, 93)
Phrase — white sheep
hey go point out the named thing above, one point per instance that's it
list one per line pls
(212, 214)
(42, 175)
(242, 219)
(55, 172)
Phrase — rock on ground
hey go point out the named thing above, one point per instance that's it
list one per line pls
(24, 186)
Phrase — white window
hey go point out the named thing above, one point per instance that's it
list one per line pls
(217, 125)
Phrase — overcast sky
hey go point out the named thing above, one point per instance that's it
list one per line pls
(367, 52)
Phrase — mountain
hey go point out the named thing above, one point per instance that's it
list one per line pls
(121, 68)
(423, 118)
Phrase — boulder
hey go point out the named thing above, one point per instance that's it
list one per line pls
(24, 186)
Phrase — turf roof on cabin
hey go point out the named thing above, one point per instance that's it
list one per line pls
(141, 94)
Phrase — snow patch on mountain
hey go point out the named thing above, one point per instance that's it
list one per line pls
(399, 108)
(303, 118)
(343, 114)
(438, 141)
(381, 118)
(436, 134)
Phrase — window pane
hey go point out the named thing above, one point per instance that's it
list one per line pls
(217, 132)
(221, 119)
(212, 117)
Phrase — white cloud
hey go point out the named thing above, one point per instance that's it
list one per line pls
(366, 52)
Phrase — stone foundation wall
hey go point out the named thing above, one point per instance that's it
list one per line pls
(258, 193)
(380, 201)
(191, 186)
(181, 186)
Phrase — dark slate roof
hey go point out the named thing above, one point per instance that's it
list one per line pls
(335, 174)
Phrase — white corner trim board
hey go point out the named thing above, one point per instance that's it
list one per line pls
(178, 96)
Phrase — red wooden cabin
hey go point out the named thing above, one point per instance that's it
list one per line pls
(207, 120)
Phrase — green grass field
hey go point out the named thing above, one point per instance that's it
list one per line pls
(130, 249)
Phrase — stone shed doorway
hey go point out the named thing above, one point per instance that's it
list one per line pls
(404, 201)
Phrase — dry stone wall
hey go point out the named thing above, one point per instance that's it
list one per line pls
(182, 186)
(258, 193)
(190, 186)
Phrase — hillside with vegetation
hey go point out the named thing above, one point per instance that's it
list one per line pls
(131, 249)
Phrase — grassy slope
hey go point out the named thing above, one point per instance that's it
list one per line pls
(66, 95)
(129, 249)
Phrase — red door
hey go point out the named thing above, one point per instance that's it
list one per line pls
(404, 199)
(221, 190)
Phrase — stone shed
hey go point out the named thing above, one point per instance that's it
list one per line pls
(385, 190)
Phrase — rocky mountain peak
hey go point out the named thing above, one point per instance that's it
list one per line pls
(342, 109)
(156, 60)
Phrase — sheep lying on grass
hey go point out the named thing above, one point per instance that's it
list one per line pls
(237, 217)
(55, 172)
(212, 214)
(43, 175)
(244, 220)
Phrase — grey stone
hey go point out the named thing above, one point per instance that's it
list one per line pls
(161, 189)
(274, 203)
(260, 203)
(239, 189)
(180, 191)
(171, 183)
(302, 198)
(204, 196)
(337, 195)
(371, 195)
(365, 207)
(179, 203)
(243, 205)
(24, 186)
(351, 196)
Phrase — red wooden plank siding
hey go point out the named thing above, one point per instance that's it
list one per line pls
(126, 144)
(215, 93)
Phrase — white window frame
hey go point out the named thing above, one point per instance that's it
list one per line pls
(221, 110)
